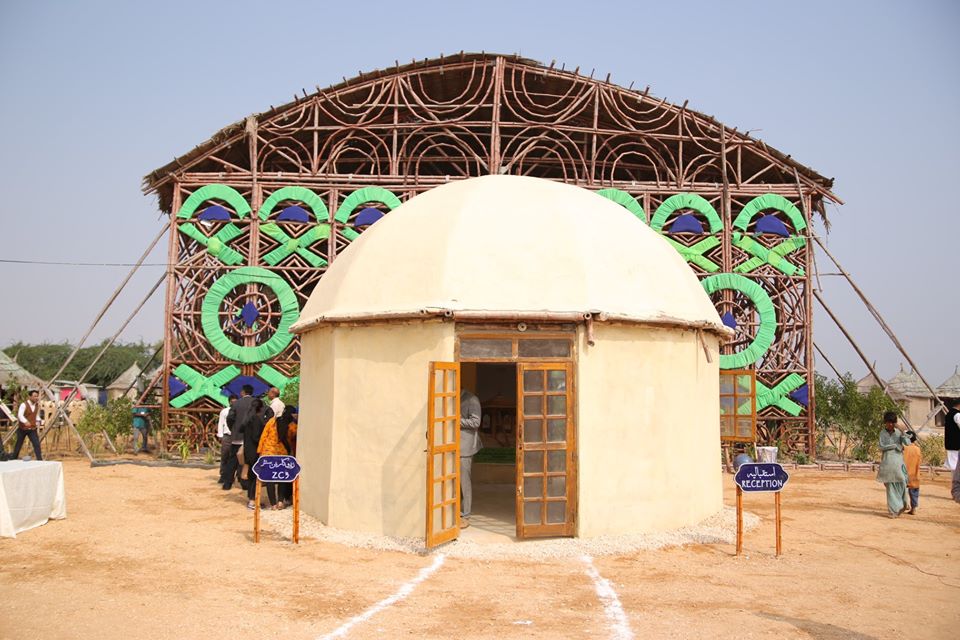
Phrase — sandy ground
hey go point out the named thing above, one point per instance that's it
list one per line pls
(164, 553)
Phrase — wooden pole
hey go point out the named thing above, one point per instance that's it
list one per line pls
(739, 520)
(886, 328)
(256, 513)
(108, 304)
(856, 347)
(777, 499)
(296, 511)
(827, 360)
(99, 355)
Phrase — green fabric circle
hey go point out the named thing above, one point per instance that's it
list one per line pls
(214, 192)
(770, 201)
(768, 317)
(210, 314)
(686, 201)
(301, 194)
(625, 200)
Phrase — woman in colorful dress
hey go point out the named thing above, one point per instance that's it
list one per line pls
(279, 438)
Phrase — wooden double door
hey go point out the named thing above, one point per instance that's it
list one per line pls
(546, 476)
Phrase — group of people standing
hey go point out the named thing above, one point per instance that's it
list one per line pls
(250, 428)
(900, 463)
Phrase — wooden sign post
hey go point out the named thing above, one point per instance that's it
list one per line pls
(759, 477)
(279, 469)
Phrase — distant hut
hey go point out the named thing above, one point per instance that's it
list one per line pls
(908, 389)
(951, 386)
(13, 375)
(919, 401)
(611, 348)
(128, 384)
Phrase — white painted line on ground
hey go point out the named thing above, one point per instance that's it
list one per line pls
(401, 594)
(611, 602)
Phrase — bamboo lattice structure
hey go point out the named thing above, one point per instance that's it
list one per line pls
(283, 192)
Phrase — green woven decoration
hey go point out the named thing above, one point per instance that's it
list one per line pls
(778, 394)
(626, 200)
(358, 197)
(761, 255)
(299, 245)
(768, 317)
(694, 254)
(770, 201)
(214, 192)
(210, 314)
(775, 257)
(274, 378)
(201, 385)
(686, 201)
(216, 245)
(300, 194)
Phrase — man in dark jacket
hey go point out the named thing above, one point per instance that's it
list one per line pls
(240, 412)
(951, 433)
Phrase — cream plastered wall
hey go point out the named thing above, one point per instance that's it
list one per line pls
(364, 414)
(648, 430)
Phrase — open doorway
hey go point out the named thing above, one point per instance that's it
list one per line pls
(494, 467)
(524, 478)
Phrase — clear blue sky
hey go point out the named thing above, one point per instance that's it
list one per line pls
(97, 94)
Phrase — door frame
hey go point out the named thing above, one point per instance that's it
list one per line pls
(565, 331)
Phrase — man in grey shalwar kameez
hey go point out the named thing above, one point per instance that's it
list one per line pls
(893, 472)
(469, 446)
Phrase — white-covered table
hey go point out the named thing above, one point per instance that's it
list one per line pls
(30, 494)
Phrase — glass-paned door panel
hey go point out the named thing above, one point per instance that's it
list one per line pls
(443, 453)
(546, 469)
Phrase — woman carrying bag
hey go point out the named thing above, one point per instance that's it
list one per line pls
(279, 438)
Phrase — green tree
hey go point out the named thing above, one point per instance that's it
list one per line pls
(291, 392)
(116, 418)
(43, 360)
(848, 421)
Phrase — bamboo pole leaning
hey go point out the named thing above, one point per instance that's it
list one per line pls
(883, 325)
(856, 347)
(93, 363)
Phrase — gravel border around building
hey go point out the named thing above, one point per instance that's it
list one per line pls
(719, 528)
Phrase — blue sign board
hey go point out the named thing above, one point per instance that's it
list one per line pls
(761, 476)
(276, 468)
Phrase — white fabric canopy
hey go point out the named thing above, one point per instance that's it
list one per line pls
(30, 494)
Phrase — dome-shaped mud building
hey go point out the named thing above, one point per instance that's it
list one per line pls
(605, 340)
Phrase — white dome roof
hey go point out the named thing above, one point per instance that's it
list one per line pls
(510, 244)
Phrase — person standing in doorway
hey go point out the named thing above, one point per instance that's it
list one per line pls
(469, 446)
(275, 403)
(893, 472)
(951, 433)
(223, 435)
(28, 421)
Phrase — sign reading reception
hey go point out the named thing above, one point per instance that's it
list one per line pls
(755, 476)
